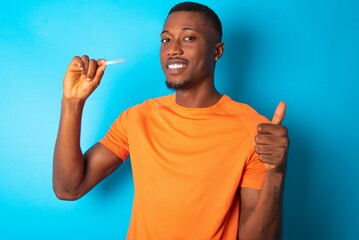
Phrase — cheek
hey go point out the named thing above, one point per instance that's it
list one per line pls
(162, 57)
(200, 55)
(201, 61)
(161, 54)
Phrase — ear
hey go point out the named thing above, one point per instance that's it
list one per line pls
(219, 50)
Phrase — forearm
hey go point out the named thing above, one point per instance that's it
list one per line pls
(68, 172)
(265, 222)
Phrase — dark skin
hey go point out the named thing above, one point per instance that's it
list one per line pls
(189, 51)
(185, 40)
(75, 173)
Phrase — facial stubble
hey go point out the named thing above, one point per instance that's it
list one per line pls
(178, 85)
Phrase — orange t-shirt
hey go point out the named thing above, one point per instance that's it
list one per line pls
(187, 164)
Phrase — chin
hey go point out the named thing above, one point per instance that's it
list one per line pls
(177, 85)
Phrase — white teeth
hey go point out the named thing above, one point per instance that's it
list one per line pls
(176, 66)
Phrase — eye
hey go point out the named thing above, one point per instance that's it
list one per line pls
(165, 40)
(189, 38)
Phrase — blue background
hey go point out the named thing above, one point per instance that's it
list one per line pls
(304, 52)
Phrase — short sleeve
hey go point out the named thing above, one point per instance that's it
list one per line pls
(116, 138)
(253, 173)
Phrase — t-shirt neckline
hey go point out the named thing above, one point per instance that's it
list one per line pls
(212, 108)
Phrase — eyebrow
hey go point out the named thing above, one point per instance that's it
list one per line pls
(183, 29)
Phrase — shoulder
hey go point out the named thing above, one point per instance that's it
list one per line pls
(240, 109)
(149, 106)
(246, 114)
(153, 103)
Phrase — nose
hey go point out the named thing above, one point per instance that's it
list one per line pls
(175, 48)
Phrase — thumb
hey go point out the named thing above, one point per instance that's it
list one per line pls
(279, 113)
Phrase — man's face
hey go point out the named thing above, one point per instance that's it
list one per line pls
(188, 48)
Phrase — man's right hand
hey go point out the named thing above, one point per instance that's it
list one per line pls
(75, 173)
(82, 77)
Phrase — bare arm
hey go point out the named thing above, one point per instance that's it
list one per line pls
(261, 211)
(75, 173)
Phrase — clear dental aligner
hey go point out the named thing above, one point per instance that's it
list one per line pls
(109, 62)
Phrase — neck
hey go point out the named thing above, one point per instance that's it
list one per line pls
(197, 98)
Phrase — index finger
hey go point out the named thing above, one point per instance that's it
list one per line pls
(76, 64)
(270, 128)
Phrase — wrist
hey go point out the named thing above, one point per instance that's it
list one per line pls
(72, 105)
(72, 102)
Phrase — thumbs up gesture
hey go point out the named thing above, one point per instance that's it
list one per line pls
(272, 141)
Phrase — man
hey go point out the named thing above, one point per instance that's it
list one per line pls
(204, 166)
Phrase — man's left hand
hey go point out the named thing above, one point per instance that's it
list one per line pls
(272, 141)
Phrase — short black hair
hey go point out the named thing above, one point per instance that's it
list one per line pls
(208, 14)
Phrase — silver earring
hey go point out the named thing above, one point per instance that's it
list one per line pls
(216, 58)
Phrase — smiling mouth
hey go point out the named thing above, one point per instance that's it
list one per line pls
(176, 66)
